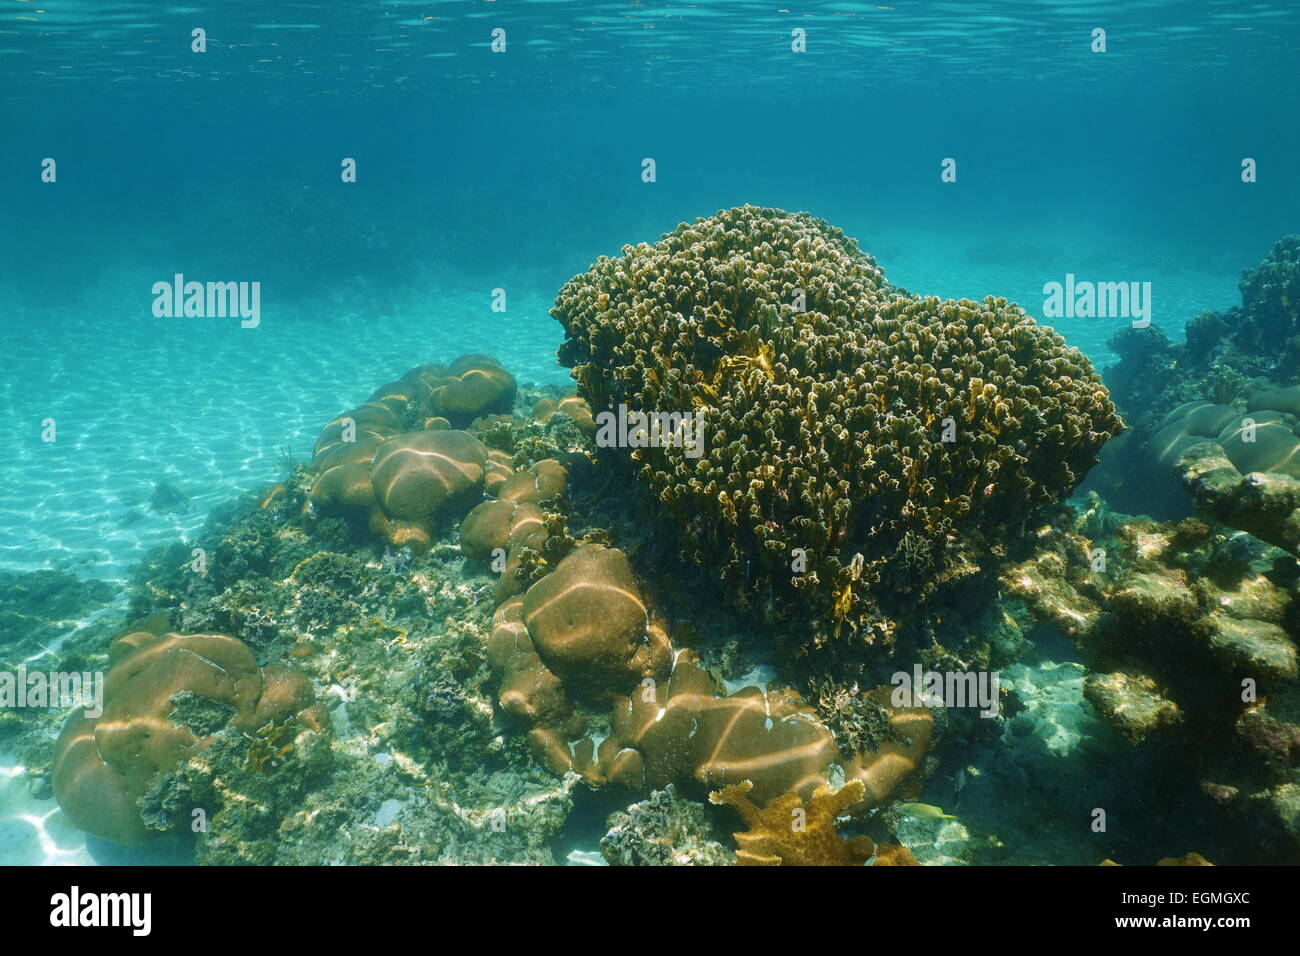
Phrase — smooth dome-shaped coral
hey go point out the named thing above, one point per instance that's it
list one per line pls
(587, 617)
(414, 481)
(419, 476)
(102, 766)
(472, 386)
(571, 406)
(499, 523)
(542, 481)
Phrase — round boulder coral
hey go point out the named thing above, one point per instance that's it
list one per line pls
(542, 481)
(407, 486)
(472, 386)
(103, 765)
(587, 618)
(500, 523)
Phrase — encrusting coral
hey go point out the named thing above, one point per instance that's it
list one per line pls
(846, 422)
(165, 697)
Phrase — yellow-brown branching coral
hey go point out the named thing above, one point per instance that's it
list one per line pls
(788, 832)
(842, 416)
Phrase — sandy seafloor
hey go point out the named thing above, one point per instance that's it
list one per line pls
(207, 407)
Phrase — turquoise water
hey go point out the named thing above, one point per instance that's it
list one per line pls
(479, 171)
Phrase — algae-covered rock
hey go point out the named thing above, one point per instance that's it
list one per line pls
(1265, 504)
(38, 606)
(1190, 633)
(1132, 703)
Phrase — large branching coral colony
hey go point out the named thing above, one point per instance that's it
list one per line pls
(882, 477)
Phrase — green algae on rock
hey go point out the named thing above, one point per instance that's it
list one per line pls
(854, 432)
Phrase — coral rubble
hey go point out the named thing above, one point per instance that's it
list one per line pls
(665, 829)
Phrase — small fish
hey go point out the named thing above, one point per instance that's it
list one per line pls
(925, 811)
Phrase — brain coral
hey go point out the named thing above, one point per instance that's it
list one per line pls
(847, 423)
(102, 766)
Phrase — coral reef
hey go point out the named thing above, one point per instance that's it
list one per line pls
(1189, 630)
(826, 395)
(36, 607)
(1243, 360)
(416, 769)
(104, 765)
(341, 580)
(473, 682)
(663, 830)
(573, 632)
